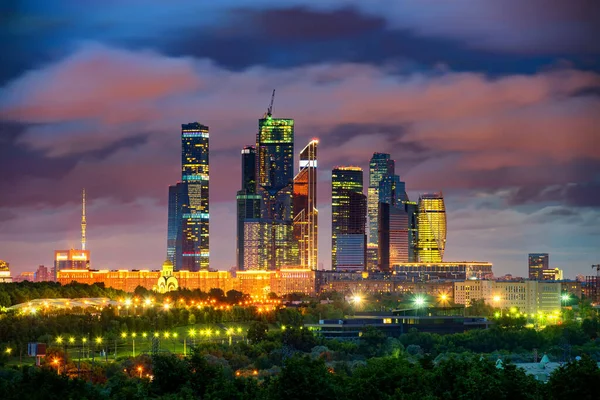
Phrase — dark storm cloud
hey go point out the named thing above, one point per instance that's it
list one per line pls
(581, 194)
(290, 37)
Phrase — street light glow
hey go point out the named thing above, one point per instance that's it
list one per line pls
(419, 301)
(565, 297)
(357, 299)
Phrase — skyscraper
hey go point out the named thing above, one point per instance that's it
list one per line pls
(274, 177)
(194, 202)
(431, 235)
(248, 202)
(305, 207)
(380, 165)
(348, 219)
(174, 233)
(538, 262)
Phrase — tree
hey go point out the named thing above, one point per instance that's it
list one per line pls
(257, 331)
(575, 380)
(234, 296)
(302, 376)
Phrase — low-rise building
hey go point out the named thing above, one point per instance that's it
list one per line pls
(528, 296)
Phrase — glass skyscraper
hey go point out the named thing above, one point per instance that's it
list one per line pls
(194, 201)
(174, 234)
(393, 223)
(348, 220)
(380, 165)
(274, 176)
(248, 202)
(431, 240)
(305, 207)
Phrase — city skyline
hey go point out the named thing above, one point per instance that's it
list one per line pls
(504, 126)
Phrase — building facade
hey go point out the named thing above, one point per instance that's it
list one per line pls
(71, 259)
(453, 270)
(528, 296)
(348, 219)
(174, 232)
(274, 176)
(537, 263)
(248, 203)
(195, 197)
(393, 225)
(380, 165)
(431, 234)
(305, 207)
(5, 276)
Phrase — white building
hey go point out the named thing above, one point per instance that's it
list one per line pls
(528, 296)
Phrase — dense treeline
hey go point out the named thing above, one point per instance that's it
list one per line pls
(313, 375)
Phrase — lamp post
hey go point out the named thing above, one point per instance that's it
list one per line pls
(140, 369)
(133, 335)
(496, 301)
(56, 362)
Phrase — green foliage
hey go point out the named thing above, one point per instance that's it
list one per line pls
(257, 331)
(575, 380)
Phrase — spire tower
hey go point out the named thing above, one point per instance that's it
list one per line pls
(83, 223)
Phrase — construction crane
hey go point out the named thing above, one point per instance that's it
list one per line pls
(270, 109)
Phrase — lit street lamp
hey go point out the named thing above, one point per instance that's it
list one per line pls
(419, 302)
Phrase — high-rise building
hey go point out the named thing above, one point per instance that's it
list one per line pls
(393, 236)
(412, 210)
(248, 203)
(274, 177)
(431, 240)
(174, 233)
(380, 165)
(194, 202)
(393, 223)
(372, 257)
(538, 262)
(348, 219)
(305, 207)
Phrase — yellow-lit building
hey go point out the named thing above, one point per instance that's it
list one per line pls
(553, 274)
(4, 272)
(527, 296)
(431, 233)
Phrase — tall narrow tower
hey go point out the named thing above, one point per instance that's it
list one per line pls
(274, 183)
(305, 207)
(83, 223)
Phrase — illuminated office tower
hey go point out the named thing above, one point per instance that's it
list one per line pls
(194, 202)
(538, 262)
(379, 166)
(274, 183)
(174, 234)
(392, 223)
(431, 233)
(372, 257)
(412, 211)
(348, 220)
(248, 202)
(305, 207)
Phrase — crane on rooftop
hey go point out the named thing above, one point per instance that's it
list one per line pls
(270, 109)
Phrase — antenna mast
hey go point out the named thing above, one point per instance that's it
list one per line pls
(270, 109)
(83, 223)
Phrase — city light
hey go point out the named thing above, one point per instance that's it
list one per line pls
(357, 299)
(98, 340)
(59, 339)
(71, 340)
(8, 350)
(419, 301)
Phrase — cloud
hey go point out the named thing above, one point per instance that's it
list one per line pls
(530, 137)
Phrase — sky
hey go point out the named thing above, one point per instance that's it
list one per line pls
(496, 104)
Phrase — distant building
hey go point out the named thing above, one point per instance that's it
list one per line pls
(348, 219)
(372, 257)
(71, 259)
(42, 274)
(393, 227)
(380, 165)
(528, 296)
(24, 276)
(195, 197)
(427, 271)
(4, 272)
(538, 262)
(573, 288)
(591, 286)
(554, 274)
(174, 232)
(431, 241)
(274, 183)
(248, 202)
(305, 207)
